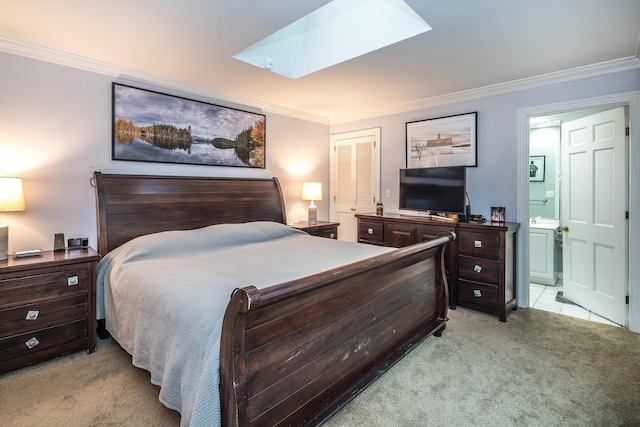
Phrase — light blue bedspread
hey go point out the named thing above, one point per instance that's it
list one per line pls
(164, 297)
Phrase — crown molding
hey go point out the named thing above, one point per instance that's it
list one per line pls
(121, 73)
(43, 53)
(607, 67)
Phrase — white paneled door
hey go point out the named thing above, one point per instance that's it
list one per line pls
(593, 210)
(355, 178)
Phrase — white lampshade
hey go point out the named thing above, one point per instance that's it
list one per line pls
(311, 191)
(11, 200)
(11, 195)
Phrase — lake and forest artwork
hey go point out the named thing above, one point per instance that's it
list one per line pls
(150, 126)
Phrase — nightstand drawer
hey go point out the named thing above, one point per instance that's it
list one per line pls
(20, 350)
(30, 317)
(44, 286)
(479, 244)
(371, 232)
(483, 269)
(478, 293)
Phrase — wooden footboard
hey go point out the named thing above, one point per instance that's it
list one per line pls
(295, 353)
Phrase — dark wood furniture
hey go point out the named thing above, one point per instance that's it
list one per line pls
(395, 230)
(47, 306)
(481, 263)
(487, 267)
(321, 229)
(296, 352)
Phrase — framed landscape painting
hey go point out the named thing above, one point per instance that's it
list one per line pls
(445, 141)
(150, 126)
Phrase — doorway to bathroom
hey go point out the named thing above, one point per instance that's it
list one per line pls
(578, 232)
(631, 251)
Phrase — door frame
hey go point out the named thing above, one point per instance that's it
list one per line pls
(377, 133)
(630, 99)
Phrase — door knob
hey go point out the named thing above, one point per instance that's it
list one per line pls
(564, 228)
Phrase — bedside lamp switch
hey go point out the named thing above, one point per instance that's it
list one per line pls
(71, 281)
(32, 314)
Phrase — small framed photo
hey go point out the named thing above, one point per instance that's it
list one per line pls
(536, 168)
(497, 214)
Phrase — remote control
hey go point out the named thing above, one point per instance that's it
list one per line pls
(28, 253)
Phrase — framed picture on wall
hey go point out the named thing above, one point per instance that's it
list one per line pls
(536, 168)
(149, 126)
(445, 141)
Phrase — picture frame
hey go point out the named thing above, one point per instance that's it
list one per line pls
(536, 168)
(497, 214)
(149, 126)
(443, 141)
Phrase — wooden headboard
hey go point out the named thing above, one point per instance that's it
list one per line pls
(129, 206)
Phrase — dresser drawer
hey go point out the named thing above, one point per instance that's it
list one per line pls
(479, 244)
(482, 269)
(47, 285)
(30, 317)
(371, 232)
(478, 293)
(23, 349)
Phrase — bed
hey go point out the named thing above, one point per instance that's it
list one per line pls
(242, 320)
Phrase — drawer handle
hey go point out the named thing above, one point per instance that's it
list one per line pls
(32, 314)
(32, 342)
(370, 231)
(478, 243)
(477, 268)
(477, 293)
(72, 281)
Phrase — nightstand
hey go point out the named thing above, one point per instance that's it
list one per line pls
(47, 306)
(321, 229)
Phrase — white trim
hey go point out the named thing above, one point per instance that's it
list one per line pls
(607, 67)
(632, 99)
(43, 53)
(122, 74)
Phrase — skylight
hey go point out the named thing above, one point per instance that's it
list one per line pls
(336, 32)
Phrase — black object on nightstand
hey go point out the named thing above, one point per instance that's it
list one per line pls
(321, 229)
(47, 306)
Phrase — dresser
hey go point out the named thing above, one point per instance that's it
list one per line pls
(47, 306)
(487, 267)
(480, 264)
(395, 230)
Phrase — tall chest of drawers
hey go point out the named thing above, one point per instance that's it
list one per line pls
(486, 267)
(47, 306)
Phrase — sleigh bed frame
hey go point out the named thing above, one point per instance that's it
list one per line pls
(294, 353)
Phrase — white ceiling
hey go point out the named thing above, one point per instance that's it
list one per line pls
(473, 44)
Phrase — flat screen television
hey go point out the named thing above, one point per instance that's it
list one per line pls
(437, 190)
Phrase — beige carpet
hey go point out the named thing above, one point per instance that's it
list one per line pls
(538, 369)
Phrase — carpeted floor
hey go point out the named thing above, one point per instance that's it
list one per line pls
(538, 369)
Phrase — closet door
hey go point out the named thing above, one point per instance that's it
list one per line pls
(355, 178)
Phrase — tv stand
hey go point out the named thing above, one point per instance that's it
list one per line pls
(480, 263)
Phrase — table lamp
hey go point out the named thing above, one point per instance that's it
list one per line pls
(312, 191)
(11, 200)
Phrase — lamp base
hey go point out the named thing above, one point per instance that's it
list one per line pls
(313, 216)
(4, 242)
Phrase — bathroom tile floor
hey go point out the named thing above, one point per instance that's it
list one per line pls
(543, 297)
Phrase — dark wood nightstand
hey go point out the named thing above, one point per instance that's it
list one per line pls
(321, 229)
(47, 306)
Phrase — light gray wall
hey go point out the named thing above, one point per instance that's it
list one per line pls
(55, 131)
(545, 142)
(493, 182)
